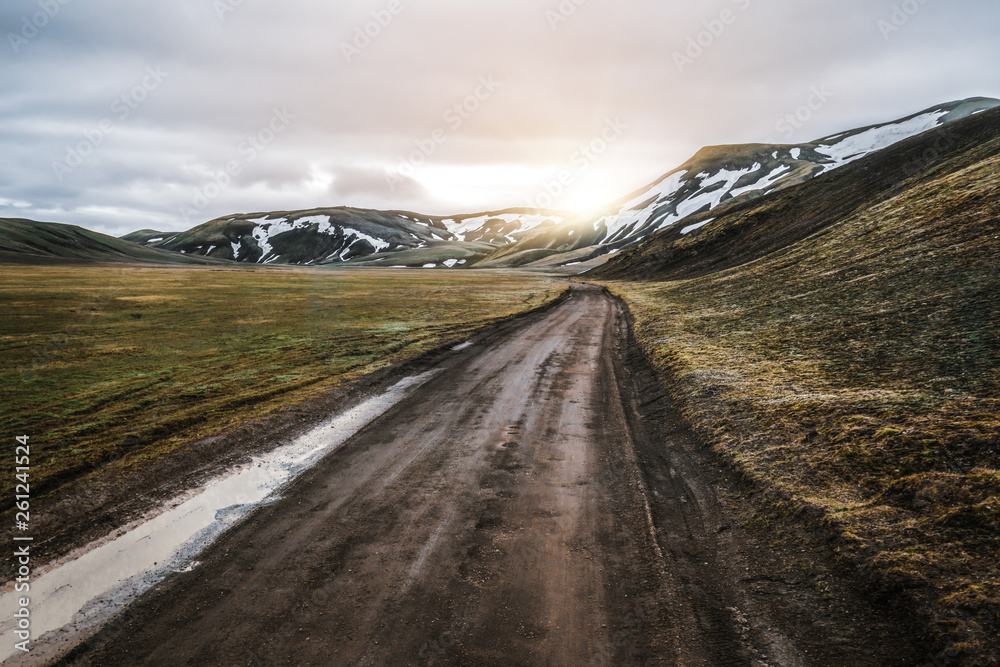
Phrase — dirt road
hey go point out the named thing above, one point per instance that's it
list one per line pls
(511, 511)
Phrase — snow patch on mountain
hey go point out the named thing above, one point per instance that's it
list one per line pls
(856, 146)
(467, 228)
(378, 244)
(638, 209)
(764, 183)
(264, 232)
(719, 174)
(709, 190)
(710, 196)
(691, 228)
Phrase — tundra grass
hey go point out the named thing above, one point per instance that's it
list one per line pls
(110, 366)
(856, 373)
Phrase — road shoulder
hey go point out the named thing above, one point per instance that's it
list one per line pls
(771, 578)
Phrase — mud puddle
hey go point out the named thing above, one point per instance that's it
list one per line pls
(70, 599)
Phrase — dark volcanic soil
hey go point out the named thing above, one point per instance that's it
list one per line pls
(538, 502)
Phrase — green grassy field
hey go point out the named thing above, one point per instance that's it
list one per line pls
(107, 366)
(857, 373)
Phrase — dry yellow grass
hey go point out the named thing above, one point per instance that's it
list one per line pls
(107, 366)
(856, 373)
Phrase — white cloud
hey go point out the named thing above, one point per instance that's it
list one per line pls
(356, 119)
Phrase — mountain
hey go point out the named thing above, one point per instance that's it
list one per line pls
(29, 241)
(681, 202)
(715, 178)
(837, 343)
(325, 236)
(751, 229)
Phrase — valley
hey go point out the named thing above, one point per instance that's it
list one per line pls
(131, 377)
(520, 506)
(744, 415)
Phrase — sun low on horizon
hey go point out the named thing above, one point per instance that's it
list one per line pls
(559, 333)
(195, 110)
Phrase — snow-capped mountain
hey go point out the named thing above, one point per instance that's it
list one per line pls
(866, 196)
(711, 180)
(336, 235)
(714, 177)
(501, 228)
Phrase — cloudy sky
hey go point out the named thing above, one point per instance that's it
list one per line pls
(120, 115)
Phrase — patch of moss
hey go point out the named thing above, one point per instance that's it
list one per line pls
(858, 368)
(213, 348)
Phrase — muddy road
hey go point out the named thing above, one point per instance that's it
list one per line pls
(514, 510)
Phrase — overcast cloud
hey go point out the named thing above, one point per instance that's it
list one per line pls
(121, 115)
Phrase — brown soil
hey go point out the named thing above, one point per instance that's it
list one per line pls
(91, 511)
(538, 502)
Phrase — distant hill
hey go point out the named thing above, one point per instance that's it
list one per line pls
(333, 236)
(29, 241)
(685, 201)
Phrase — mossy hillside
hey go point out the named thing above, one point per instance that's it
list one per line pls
(26, 241)
(856, 373)
(747, 229)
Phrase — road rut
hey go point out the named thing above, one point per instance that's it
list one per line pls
(500, 515)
